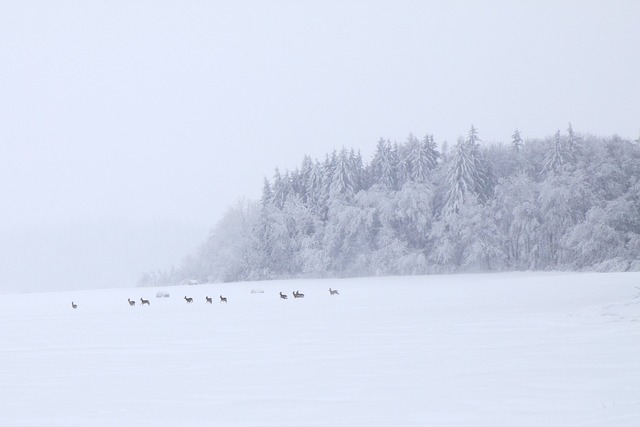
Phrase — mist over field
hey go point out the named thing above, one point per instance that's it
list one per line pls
(91, 255)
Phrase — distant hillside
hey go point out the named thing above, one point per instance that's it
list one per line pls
(569, 202)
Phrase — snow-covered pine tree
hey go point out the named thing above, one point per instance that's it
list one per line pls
(423, 158)
(557, 156)
(460, 177)
(483, 166)
(267, 193)
(516, 141)
(328, 169)
(305, 177)
(432, 153)
(404, 165)
(314, 187)
(574, 144)
(357, 166)
(297, 184)
(382, 167)
(445, 150)
(344, 178)
(469, 175)
(281, 187)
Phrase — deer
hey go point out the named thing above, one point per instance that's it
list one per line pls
(209, 300)
(297, 294)
(131, 303)
(333, 292)
(144, 301)
(188, 300)
(74, 305)
(283, 296)
(223, 299)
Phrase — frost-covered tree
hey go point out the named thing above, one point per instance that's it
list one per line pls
(267, 193)
(228, 255)
(343, 183)
(462, 177)
(281, 188)
(518, 218)
(516, 141)
(559, 156)
(469, 174)
(403, 165)
(347, 236)
(482, 250)
(592, 241)
(315, 188)
(414, 214)
(466, 239)
(305, 176)
(422, 158)
(444, 151)
(357, 165)
(328, 168)
(431, 152)
(564, 200)
(383, 166)
(574, 144)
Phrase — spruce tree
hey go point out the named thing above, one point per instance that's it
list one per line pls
(469, 174)
(516, 141)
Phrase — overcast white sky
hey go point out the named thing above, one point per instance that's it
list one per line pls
(171, 111)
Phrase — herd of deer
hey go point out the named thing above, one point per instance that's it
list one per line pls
(142, 302)
(209, 300)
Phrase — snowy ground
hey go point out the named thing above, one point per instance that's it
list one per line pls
(530, 349)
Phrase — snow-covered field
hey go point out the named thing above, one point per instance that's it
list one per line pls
(526, 349)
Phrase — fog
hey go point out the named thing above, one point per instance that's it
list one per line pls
(91, 255)
(128, 128)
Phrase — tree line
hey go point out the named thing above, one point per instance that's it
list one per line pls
(568, 202)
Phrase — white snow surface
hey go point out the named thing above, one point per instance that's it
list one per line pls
(511, 349)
